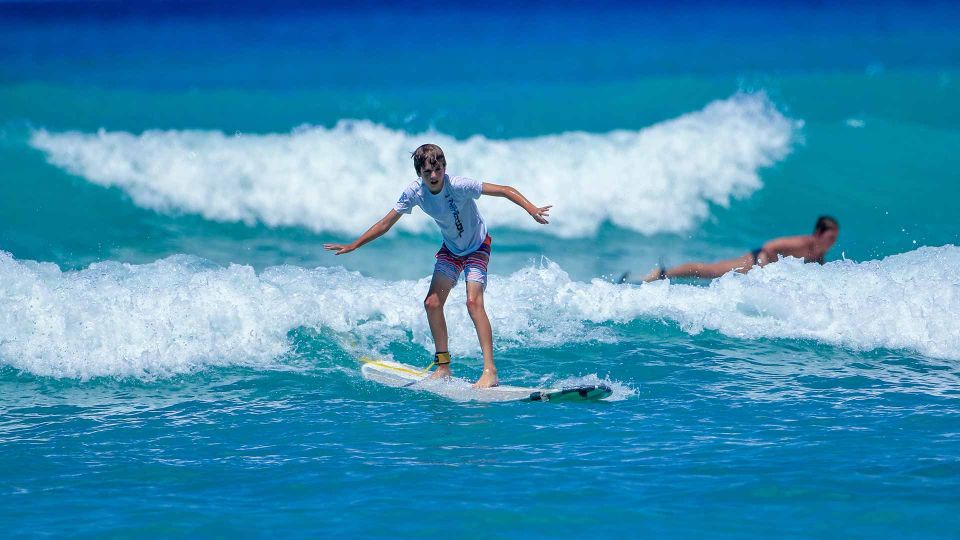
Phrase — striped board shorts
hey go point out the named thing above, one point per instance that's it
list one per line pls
(474, 265)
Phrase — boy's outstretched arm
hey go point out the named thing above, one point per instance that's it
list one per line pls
(539, 213)
(372, 233)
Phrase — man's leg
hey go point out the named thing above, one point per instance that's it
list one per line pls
(440, 287)
(705, 270)
(484, 334)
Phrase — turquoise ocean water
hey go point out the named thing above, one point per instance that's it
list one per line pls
(178, 353)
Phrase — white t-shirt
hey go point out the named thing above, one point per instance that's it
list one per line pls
(454, 209)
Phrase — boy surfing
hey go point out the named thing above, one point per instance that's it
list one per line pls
(451, 202)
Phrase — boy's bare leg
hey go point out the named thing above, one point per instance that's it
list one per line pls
(484, 334)
(440, 287)
(704, 270)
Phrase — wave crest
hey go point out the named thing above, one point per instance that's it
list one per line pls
(181, 314)
(342, 179)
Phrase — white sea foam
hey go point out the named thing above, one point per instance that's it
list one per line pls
(342, 179)
(181, 314)
(908, 301)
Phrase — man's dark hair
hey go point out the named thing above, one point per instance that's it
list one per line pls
(824, 224)
(427, 153)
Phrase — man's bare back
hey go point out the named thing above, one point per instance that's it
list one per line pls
(806, 247)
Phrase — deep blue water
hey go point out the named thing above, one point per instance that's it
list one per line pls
(178, 353)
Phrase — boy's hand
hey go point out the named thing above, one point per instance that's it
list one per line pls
(541, 214)
(339, 249)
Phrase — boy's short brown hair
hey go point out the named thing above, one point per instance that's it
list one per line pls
(428, 153)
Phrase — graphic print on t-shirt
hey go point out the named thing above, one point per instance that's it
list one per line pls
(456, 215)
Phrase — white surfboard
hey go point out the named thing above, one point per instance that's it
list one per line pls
(400, 375)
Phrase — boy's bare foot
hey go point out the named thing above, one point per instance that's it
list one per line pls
(487, 380)
(442, 372)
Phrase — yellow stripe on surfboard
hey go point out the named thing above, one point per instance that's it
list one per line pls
(371, 361)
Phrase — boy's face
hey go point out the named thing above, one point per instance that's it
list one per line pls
(432, 174)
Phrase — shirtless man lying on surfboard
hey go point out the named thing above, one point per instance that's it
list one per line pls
(810, 247)
(451, 202)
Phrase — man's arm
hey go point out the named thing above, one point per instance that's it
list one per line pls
(374, 232)
(794, 246)
(539, 213)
